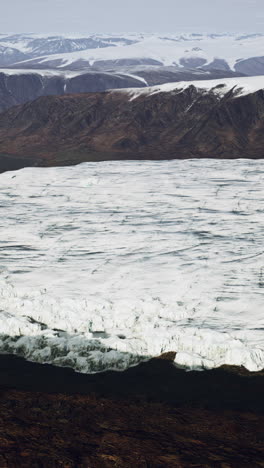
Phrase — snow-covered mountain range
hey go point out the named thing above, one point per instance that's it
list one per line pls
(241, 53)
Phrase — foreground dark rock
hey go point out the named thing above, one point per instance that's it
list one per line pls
(189, 123)
(153, 415)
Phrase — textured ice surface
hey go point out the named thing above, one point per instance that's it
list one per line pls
(105, 264)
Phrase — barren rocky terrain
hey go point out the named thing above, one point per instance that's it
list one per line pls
(152, 415)
(187, 123)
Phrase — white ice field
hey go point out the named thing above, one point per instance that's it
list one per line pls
(106, 264)
(168, 49)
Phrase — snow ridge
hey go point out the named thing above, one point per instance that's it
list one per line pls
(240, 85)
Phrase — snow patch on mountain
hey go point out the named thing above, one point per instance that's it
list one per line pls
(241, 86)
(169, 50)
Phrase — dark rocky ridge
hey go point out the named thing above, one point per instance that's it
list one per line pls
(159, 75)
(23, 87)
(152, 415)
(62, 130)
(20, 87)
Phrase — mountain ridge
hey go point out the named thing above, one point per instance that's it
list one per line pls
(242, 53)
(217, 119)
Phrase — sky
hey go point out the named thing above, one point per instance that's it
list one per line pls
(86, 16)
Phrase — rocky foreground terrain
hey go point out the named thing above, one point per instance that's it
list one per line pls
(216, 119)
(152, 415)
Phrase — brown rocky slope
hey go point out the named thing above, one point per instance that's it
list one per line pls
(152, 415)
(182, 123)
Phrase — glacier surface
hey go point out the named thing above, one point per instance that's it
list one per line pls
(169, 49)
(104, 265)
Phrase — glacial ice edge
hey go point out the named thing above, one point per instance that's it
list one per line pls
(96, 275)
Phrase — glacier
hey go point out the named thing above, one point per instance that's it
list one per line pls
(104, 265)
(169, 49)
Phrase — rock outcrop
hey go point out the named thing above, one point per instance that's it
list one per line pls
(183, 123)
(18, 88)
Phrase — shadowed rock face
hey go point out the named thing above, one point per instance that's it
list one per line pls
(98, 82)
(10, 55)
(217, 64)
(126, 62)
(192, 62)
(100, 126)
(251, 66)
(20, 88)
(160, 75)
(17, 89)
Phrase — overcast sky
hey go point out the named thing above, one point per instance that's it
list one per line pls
(131, 15)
